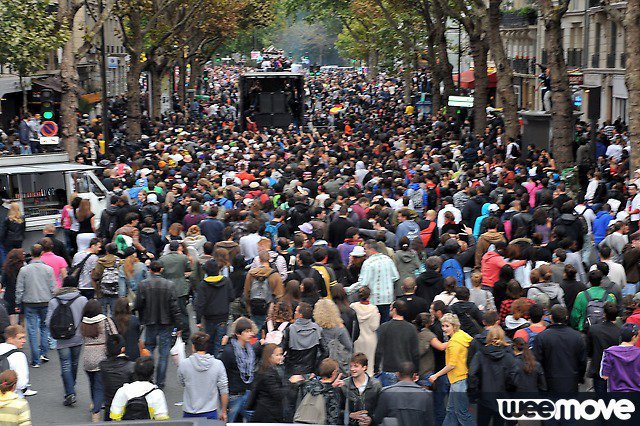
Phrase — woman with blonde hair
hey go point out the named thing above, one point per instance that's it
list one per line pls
(132, 272)
(195, 239)
(14, 410)
(86, 224)
(490, 374)
(327, 315)
(14, 227)
(368, 322)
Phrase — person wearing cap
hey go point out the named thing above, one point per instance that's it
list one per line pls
(621, 364)
(213, 296)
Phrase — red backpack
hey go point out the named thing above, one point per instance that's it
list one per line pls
(426, 233)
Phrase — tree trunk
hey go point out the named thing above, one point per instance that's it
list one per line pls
(195, 80)
(156, 71)
(372, 64)
(440, 45)
(562, 110)
(504, 90)
(436, 98)
(479, 50)
(632, 35)
(70, 81)
(407, 82)
(182, 85)
(134, 113)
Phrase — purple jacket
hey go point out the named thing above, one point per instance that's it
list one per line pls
(622, 365)
(345, 250)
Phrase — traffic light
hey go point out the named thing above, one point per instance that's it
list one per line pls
(46, 106)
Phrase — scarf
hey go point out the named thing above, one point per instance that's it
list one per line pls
(94, 320)
(246, 359)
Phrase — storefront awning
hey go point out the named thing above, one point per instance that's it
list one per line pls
(468, 80)
(45, 168)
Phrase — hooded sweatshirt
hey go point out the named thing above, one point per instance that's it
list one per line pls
(213, 296)
(14, 410)
(429, 284)
(600, 225)
(491, 264)
(622, 365)
(552, 290)
(485, 214)
(456, 355)
(485, 241)
(407, 264)
(65, 294)
(302, 341)
(204, 379)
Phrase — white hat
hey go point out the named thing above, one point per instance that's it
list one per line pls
(152, 198)
(358, 251)
(254, 185)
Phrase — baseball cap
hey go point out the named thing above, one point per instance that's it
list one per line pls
(152, 198)
(307, 228)
(358, 251)
(628, 331)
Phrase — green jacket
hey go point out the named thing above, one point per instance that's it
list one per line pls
(175, 266)
(579, 312)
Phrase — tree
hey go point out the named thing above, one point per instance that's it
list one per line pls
(28, 33)
(632, 39)
(562, 111)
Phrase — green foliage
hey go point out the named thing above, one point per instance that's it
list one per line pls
(28, 33)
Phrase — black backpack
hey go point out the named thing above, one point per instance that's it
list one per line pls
(62, 325)
(138, 408)
(4, 359)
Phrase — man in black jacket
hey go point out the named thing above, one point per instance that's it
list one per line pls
(600, 337)
(302, 341)
(430, 283)
(157, 306)
(468, 313)
(521, 222)
(361, 391)
(405, 401)
(212, 300)
(116, 370)
(561, 352)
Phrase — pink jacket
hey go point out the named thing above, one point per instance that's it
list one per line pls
(491, 264)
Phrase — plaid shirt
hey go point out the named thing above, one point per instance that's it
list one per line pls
(379, 273)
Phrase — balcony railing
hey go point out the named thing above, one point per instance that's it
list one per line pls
(611, 60)
(595, 60)
(574, 58)
(516, 20)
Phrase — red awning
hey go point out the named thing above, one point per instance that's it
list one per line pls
(468, 80)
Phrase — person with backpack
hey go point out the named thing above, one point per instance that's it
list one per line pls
(34, 289)
(600, 337)
(588, 308)
(262, 286)
(468, 313)
(83, 264)
(95, 328)
(12, 358)
(206, 390)
(141, 399)
(116, 370)
(279, 318)
(109, 220)
(149, 236)
(334, 334)
(407, 226)
(130, 274)
(541, 287)
(64, 315)
(537, 325)
(320, 400)
(106, 278)
(561, 352)
(212, 299)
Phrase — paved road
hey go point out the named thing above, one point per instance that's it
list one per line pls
(47, 408)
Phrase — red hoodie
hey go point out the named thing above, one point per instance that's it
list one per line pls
(491, 264)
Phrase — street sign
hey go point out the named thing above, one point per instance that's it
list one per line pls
(49, 140)
(461, 101)
(49, 128)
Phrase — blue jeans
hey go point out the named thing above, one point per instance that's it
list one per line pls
(211, 415)
(160, 335)
(108, 304)
(458, 406)
(36, 316)
(216, 332)
(97, 390)
(259, 320)
(440, 391)
(386, 378)
(69, 368)
(237, 404)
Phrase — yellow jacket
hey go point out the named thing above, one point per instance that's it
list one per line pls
(456, 355)
(14, 411)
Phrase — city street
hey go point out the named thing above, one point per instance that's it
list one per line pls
(46, 406)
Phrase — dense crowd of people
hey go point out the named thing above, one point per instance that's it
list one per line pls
(385, 264)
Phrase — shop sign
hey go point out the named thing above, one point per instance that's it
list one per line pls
(49, 140)
(576, 79)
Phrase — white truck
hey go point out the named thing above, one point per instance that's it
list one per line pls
(43, 183)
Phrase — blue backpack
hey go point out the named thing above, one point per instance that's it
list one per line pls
(271, 232)
(532, 336)
(452, 268)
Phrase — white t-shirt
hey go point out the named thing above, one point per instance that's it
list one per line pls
(18, 363)
(155, 400)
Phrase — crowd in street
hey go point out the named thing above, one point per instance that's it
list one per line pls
(385, 264)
